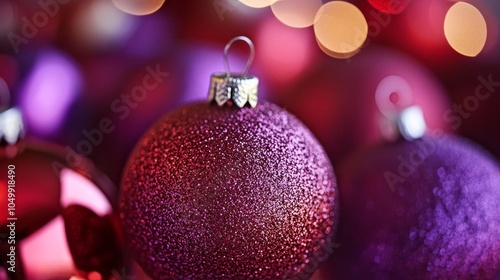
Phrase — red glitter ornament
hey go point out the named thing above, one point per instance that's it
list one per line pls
(241, 191)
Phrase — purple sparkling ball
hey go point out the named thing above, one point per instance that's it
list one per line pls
(426, 209)
(226, 193)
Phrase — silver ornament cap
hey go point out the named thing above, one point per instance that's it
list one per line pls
(227, 89)
(11, 119)
(12, 129)
(11, 126)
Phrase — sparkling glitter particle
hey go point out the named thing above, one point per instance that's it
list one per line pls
(228, 193)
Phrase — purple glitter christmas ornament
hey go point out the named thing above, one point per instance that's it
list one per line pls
(425, 207)
(229, 191)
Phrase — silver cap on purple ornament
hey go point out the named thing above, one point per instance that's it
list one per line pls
(228, 89)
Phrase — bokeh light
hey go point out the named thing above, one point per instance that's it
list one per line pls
(50, 89)
(465, 29)
(339, 55)
(340, 28)
(139, 7)
(258, 3)
(283, 53)
(296, 13)
(100, 24)
(425, 40)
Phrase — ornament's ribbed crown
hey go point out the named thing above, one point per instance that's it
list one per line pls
(238, 90)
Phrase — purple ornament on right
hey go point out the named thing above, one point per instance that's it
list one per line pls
(426, 206)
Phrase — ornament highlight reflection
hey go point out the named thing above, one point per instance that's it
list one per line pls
(76, 189)
(42, 257)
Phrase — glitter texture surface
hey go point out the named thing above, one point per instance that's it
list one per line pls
(427, 209)
(225, 193)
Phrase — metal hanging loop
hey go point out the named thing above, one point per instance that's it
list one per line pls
(237, 90)
(250, 57)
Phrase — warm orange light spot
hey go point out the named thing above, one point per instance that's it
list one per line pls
(465, 29)
(340, 28)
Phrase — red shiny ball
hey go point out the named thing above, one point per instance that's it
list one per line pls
(226, 193)
(64, 214)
